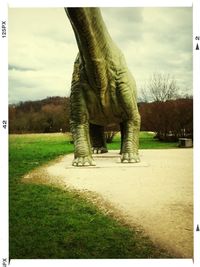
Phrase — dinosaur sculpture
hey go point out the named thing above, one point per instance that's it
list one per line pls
(103, 90)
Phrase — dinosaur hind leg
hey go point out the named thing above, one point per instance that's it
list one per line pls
(97, 138)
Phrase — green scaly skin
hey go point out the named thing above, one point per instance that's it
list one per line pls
(103, 90)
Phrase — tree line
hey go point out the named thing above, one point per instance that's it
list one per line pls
(170, 119)
(43, 116)
(165, 109)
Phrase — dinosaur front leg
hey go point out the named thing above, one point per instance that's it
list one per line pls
(79, 124)
(130, 127)
(82, 153)
(129, 151)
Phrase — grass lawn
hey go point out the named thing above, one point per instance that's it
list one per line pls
(47, 222)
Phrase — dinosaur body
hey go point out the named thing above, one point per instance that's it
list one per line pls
(103, 90)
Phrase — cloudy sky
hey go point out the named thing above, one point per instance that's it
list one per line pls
(42, 47)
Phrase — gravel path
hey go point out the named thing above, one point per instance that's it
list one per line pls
(156, 194)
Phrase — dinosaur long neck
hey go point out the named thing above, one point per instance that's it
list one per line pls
(91, 33)
(93, 40)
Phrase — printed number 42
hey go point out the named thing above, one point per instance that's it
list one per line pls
(4, 124)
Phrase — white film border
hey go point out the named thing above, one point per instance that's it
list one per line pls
(4, 241)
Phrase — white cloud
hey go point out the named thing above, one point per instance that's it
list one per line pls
(163, 42)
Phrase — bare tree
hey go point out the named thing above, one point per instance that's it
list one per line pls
(161, 87)
(144, 95)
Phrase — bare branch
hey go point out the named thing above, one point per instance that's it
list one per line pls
(161, 87)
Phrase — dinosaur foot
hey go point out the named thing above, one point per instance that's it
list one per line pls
(83, 161)
(130, 158)
(99, 150)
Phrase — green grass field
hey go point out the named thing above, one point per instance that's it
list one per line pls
(47, 222)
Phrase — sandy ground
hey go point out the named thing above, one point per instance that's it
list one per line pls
(155, 194)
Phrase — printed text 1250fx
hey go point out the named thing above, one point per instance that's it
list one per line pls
(3, 29)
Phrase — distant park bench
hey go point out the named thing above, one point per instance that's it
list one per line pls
(185, 142)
